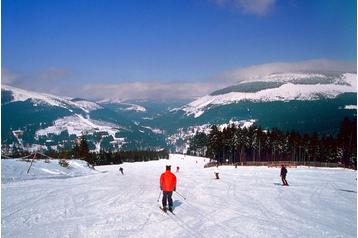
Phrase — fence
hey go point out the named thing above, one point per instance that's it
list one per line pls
(289, 164)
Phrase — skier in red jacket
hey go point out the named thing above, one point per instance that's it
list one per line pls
(168, 182)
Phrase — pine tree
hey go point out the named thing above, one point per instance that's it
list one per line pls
(84, 151)
(76, 151)
(215, 144)
(347, 141)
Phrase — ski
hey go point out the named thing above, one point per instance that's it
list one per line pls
(166, 211)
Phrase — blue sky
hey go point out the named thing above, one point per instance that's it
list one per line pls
(109, 42)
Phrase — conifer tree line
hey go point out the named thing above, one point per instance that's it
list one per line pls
(81, 151)
(240, 145)
(105, 158)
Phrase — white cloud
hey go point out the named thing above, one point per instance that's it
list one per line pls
(149, 90)
(52, 74)
(8, 77)
(48, 80)
(255, 7)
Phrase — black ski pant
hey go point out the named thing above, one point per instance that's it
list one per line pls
(167, 196)
(284, 181)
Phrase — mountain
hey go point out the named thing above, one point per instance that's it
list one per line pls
(141, 111)
(43, 121)
(278, 87)
(303, 101)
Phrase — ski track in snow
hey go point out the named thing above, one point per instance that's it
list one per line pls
(245, 202)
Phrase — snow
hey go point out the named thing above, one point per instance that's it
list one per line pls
(154, 130)
(35, 147)
(15, 170)
(17, 134)
(286, 92)
(130, 106)
(76, 125)
(244, 202)
(350, 107)
(351, 79)
(285, 77)
(241, 124)
(87, 106)
(134, 107)
(23, 95)
(79, 125)
(43, 98)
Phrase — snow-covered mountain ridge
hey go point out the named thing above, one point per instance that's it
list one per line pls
(22, 95)
(125, 106)
(290, 87)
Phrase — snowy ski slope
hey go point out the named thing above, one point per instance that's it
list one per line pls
(245, 202)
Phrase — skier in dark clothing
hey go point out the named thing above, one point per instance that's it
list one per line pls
(283, 175)
(168, 182)
(216, 171)
(121, 170)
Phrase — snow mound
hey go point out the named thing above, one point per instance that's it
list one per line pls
(13, 170)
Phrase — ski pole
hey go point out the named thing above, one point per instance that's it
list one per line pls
(160, 192)
(180, 195)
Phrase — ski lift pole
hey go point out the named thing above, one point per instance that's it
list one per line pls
(160, 192)
(180, 195)
(33, 158)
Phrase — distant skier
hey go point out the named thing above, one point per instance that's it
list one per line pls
(178, 169)
(168, 182)
(121, 170)
(216, 171)
(283, 175)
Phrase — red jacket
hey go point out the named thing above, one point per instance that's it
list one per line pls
(168, 181)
